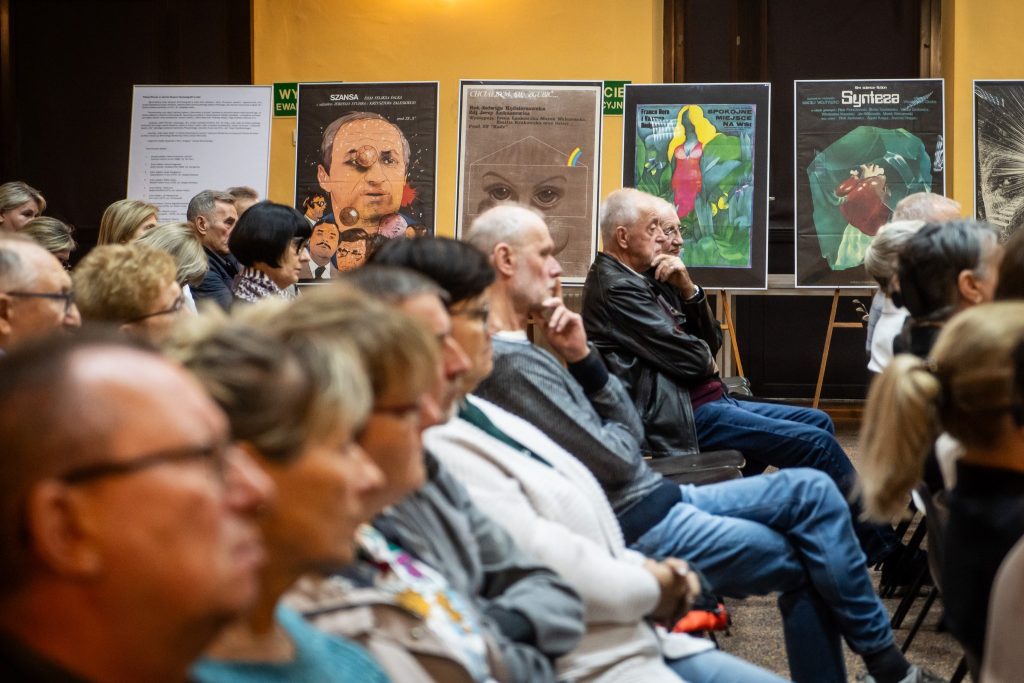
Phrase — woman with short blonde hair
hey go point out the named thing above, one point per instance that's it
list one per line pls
(126, 220)
(181, 241)
(19, 203)
(52, 235)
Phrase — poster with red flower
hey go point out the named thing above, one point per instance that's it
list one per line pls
(861, 147)
(365, 168)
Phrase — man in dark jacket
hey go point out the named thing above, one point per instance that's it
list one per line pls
(213, 216)
(654, 328)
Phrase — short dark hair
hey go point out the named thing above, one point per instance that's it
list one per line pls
(310, 196)
(931, 261)
(326, 224)
(264, 232)
(353, 235)
(460, 269)
(40, 435)
(391, 284)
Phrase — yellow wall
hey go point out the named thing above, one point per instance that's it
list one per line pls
(348, 40)
(984, 43)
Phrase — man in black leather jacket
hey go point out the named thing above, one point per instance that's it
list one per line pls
(654, 328)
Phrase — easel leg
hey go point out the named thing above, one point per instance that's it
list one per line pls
(828, 345)
(727, 311)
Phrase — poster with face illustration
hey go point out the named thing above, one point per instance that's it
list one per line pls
(703, 148)
(537, 143)
(861, 147)
(999, 154)
(365, 168)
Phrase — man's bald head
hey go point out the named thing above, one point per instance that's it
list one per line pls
(503, 224)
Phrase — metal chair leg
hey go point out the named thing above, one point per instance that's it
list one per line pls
(932, 594)
(961, 671)
(908, 600)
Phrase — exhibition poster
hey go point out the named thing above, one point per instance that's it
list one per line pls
(861, 147)
(536, 143)
(999, 153)
(190, 138)
(704, 149)
(365, 167)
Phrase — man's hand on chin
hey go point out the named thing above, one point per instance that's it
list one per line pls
(671, 269)
(563, 330)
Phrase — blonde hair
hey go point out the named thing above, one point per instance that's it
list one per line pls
(181, 242)
(966, 388)
(278, 396)
(52, 235)
(16, 193)
(122, 218)
(117, 283)
(397, 352)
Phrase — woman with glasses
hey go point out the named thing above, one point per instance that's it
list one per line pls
(134, 286)
(269, 241)
(295, 409)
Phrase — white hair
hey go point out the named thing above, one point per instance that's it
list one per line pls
(621, 207)
(502, 223)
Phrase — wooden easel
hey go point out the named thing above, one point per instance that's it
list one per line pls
(832, 324)
(728, 326)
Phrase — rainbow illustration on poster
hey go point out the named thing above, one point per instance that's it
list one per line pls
(574, 157)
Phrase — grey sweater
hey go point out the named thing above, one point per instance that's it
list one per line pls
(531, 612)
(583, 409)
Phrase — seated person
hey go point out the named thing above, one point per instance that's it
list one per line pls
(491, 610)
(788, 532)
(662, 347)
(181, 242)
(126, 220)
(554, 508)
(52, 235)
(973, 388)
(35, 292)
(944, 268)
(132, 286)
(213, 215)
(295, 412)
(85, 596)
(881, 262)
(19, 203)
(270, 243)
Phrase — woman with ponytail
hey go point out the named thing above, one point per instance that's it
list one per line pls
(971, 386)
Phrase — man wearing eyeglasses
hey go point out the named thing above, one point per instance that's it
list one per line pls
(127, 549)
(35, 292)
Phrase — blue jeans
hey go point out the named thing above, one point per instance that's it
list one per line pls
(715, 666)
(788, 436)
(786, 532)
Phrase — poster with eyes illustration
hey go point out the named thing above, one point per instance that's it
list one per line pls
(999, 154)
(365, 168)
(537, 143)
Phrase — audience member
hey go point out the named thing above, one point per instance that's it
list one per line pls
(126, 515)
(527, 613)
(972, 386)
(553, 507)
(213, 215)
(926, 207)
(181, 242)
(944, 268)
(323, 244)
(35, 292)
(295, 411)
(131, 286)
(790, 531)
(881, 261)
(244, 197)
(1011, 270)
(661, 345)
(126, 220)
(270, 241)
(52, 235)
(19, 203)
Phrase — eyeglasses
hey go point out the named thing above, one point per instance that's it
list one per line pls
(300, 243)
(319, 203)
(480, 313)
(214, 454)
(174, 308)
(345, 251)
(67, 297)
(670, 232)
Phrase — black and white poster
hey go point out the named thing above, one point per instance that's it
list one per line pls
(999, 153)
(539, 144)
(861, 147)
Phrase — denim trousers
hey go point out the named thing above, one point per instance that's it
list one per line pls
(715, 666)
(789, 436)
(787, 532)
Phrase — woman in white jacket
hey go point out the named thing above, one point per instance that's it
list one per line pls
(554, 508)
